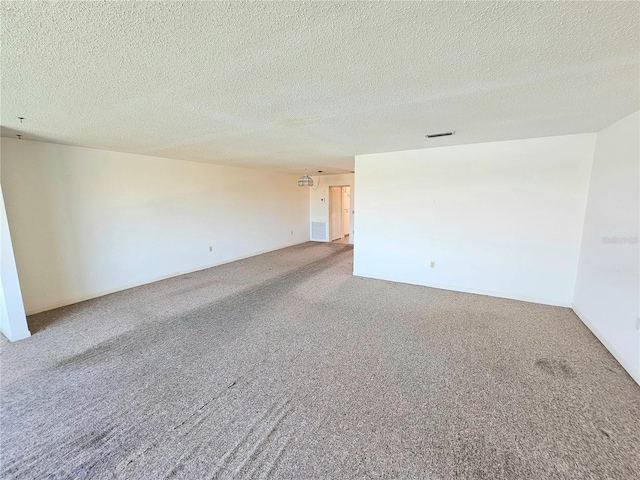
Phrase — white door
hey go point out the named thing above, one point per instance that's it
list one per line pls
(335, 213)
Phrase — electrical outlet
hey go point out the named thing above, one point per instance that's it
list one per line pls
(291, 232)
(432, 265)
(638, 323)
(210, 248)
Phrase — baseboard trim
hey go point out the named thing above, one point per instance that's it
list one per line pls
(71, 301)
(633, 372)
(327, 241)
(522, 298)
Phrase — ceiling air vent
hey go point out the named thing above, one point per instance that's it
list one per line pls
(436, 135)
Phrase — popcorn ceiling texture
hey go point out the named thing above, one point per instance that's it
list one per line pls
(286, 85)
(286, 366)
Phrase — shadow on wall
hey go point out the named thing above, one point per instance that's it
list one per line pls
(44, 209)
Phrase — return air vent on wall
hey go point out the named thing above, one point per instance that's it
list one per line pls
(318, 231)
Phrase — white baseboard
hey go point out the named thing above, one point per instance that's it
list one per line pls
(632, 370)
(522, 298)
(71, 301)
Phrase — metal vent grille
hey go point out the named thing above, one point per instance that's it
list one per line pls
(318, 231)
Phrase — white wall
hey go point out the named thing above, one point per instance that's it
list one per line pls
(607, 294)
(319, 199)
(502, 218)
(87, 222)
(13, 323)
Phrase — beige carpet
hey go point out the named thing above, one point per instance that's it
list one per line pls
(286, 366)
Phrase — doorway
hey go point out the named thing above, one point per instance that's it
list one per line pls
(339, 214)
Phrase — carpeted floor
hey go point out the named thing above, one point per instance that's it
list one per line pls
(286, 366)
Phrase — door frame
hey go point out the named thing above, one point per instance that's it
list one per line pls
(341, 207)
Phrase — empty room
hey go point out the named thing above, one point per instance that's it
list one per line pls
(319, 240)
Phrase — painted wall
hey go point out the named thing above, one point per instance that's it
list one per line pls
(607, 294)
(319, 199)
(13, 323)
(88, 222)
(502, 218)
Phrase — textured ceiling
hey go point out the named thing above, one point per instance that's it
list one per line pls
(293, 85)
